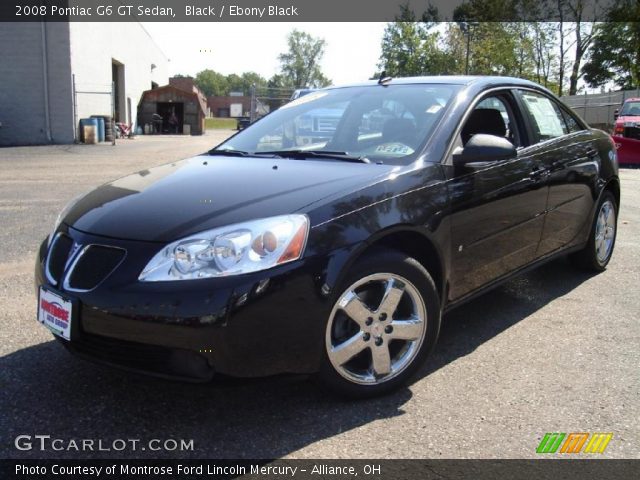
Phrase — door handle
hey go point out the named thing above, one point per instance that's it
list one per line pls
(539, 173)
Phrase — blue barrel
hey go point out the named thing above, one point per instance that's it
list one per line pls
(100, 127)
(88, 122)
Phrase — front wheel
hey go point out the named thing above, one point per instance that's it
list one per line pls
(597, 253)
(384, 322)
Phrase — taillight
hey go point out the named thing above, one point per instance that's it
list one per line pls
(618, 129)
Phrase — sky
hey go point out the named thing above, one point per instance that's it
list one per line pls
(351, 53)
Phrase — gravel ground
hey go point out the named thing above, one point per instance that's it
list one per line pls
(555, 350)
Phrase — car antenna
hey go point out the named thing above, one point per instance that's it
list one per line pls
(383, 80)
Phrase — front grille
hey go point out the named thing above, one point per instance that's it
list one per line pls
(57, 259)
(135, 355)
(632, 132)
(93, 265)
(152, 359)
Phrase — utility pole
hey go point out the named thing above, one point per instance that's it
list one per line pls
(254, 102)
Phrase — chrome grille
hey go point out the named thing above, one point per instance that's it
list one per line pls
(78, 267)
(91, 266)
(57, 257)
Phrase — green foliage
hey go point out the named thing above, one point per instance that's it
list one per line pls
(279, 81)
(505, 10)
(495, 48)
(615, 52)
(411, 47)
(214, 83)
(300, 65)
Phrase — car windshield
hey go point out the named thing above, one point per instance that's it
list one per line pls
(388, 124)
(631, 108)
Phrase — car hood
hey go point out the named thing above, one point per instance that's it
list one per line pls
(171, 201)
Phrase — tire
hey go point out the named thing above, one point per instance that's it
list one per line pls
(384, 323)
(596, 254)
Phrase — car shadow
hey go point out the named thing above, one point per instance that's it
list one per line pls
(467, 327)
(44, 391)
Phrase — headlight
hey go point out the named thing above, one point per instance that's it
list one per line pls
(233, 250)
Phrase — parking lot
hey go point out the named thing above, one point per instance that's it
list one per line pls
(555, 350)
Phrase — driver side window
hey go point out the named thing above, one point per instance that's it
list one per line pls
(492, 116)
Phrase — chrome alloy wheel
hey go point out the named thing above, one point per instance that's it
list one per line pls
(376, 328)
(605, 231)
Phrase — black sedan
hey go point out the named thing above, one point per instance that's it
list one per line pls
(271, 254)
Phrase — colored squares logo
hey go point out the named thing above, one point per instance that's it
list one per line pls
(574, 442)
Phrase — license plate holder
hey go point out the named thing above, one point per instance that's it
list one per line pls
(58, 312)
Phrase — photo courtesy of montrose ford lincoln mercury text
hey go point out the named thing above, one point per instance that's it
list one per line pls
(330, 236)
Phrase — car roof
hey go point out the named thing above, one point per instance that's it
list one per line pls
(633, 99)
(479, 81)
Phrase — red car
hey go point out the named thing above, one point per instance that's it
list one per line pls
(626, 132)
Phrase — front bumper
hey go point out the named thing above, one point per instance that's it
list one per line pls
(628, 150)
(249, 325)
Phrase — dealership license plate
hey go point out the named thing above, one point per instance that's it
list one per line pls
(630, 124)
(55, 312)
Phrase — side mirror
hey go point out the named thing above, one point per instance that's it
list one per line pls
(482, 148)
(616, 114)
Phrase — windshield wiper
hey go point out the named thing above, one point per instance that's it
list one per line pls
(240, 153)
(302, 154)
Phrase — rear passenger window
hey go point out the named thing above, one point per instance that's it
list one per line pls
(547, 119)
(572, 124)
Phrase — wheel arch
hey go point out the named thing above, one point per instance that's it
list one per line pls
(613, 186)
(409, 240)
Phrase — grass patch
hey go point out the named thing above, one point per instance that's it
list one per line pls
(220, 123)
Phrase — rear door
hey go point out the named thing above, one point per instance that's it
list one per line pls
(565, 150)
(498, 207)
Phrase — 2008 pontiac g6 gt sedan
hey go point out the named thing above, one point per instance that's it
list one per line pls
(330, 236)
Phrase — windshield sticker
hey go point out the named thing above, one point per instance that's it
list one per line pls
(394, 149)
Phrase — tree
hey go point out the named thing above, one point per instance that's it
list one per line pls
(252, 78)
(544, 37)
(411, 47)
(212, 83)
(615, 56)
(301, 64)
(242, 83)
(495, 48)
(217, 84)
(500, 48)
(234, 83)
(615, 53)
(583, 32)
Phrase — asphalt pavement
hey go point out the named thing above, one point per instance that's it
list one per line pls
(554, 350)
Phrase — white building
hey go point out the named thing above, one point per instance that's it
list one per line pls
(54, 74)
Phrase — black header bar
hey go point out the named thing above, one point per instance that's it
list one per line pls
(314, 10)
(584, 469)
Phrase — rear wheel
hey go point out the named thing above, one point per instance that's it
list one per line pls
(384, 322)
(597, 253)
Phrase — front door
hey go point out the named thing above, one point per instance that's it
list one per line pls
(497, 207)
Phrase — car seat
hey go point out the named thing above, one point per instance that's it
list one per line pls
(484, 120)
